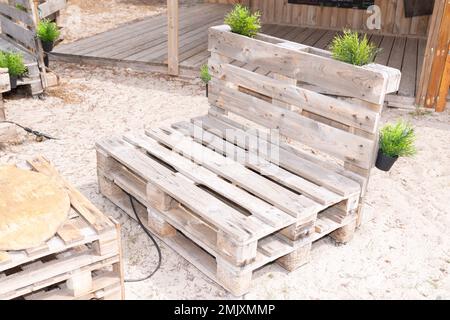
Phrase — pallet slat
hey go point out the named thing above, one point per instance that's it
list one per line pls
(76, 249)
(361, 83)
(184, 191)
(265, 212)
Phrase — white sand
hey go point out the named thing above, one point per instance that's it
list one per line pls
(404, 253)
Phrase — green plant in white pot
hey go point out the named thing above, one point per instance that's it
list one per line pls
(396, 140)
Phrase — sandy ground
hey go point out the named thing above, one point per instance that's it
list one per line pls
(84, 18)
(403, 253)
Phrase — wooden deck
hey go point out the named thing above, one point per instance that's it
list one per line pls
(143, 45)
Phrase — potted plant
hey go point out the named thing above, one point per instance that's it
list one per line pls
(21, 7)
(242, 21)
(205, 76)
(396, 140)
(13, 61)
(351, 48)
(47, 32)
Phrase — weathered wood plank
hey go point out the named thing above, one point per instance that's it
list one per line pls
(296, 205)
(335, 142)
(50, 7)
(353, 81)
(338, 110)
(200, 175)
(259, 164)
(17, 14)
(307, 168)
(24, 36)
(242, 228)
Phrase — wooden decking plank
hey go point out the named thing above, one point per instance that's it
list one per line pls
(293, 32)
(397, 53)
(386, 48)
(200, 175)
(151, 39)
(300, 38)
(123, 32)
(159, 40)
(296, 205)
(151, 52)
(409, 68)
(376, 39)
(197, 60)
(199, 201)
(325, 39)
(251, 160)
(112, 36)
(314, 37)
(294, 163)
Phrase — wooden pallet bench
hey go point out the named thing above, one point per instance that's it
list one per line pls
(229, 191)
(82, 261)
(18, 34)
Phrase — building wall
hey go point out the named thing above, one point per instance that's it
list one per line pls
(392, 12)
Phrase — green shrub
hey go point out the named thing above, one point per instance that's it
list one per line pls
(13, 61)
(242, 21)
(204, 73)
(350, 48)
(21, 7)
(398, 140)
(47, 31)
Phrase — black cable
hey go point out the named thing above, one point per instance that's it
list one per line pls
(29, 130)
(151, 238)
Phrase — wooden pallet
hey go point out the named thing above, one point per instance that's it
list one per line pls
(227, 230)
(19, 35)
(82, 261)
(226, 190)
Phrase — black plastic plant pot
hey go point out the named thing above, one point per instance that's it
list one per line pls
(384, 162)
(207, 90)
(47, 46)
(13, 81)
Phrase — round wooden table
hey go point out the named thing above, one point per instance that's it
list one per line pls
(32, 208)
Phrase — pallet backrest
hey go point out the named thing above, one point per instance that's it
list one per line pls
(19, 25)
(330, 106)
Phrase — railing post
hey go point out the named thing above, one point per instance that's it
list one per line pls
(172, 26)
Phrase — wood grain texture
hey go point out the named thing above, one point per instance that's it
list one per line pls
(359, 82)
(394, 21)
(32, 208)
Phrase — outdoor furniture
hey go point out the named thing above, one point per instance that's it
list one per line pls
(82, 260)
(229, 191)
